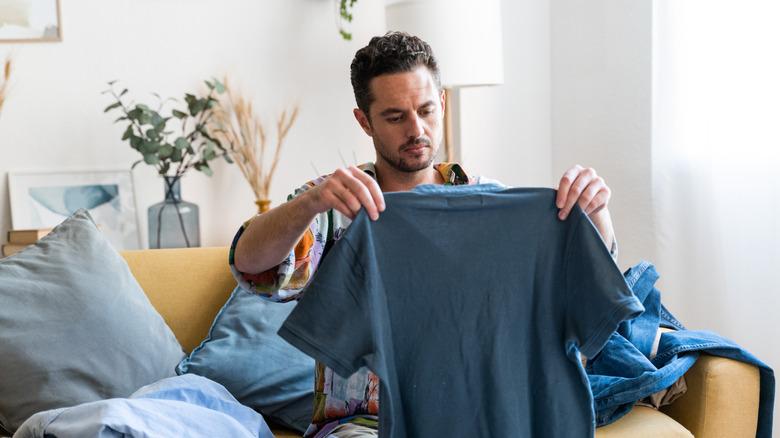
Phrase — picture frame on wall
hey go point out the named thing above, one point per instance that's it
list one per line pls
(45, 199)
(30, 21)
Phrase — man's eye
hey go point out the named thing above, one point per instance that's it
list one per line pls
(426, 113)
(394, 119)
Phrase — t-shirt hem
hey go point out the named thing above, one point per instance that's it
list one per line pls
(623, 310)
(302, 342)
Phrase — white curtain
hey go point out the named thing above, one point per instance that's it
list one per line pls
(716, 167)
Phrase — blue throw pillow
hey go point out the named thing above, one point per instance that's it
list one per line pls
(75, 326)
(243, 352)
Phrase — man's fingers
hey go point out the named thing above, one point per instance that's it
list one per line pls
(567, 180)
(360, 192)
(372, 186)
(598, 202)
(345, 195)
(576, 189)
(590, 192)
(357, 191)
(336, 203)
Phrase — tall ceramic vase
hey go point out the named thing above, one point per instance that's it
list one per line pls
(173, 223)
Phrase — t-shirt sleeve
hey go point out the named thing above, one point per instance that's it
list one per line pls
(285, 281)
(597, 296)
(331, 322)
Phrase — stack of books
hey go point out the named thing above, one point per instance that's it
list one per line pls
(20, 239)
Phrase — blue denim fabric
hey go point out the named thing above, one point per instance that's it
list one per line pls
(622, 373)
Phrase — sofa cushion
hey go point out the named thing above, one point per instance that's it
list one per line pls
(644, 422)
(244, 353)
(75, 325)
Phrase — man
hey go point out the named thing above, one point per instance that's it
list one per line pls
(400, 106)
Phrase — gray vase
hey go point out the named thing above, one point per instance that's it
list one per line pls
(173, 223)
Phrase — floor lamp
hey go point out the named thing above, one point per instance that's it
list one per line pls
(466, 38)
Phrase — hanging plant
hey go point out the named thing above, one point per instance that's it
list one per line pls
(345, 16)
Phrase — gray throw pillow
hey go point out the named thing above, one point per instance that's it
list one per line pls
(75, 325)
(244, 353)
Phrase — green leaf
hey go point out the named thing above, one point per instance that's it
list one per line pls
(181, 143)
(177, 155)
(156, 119)
(112, 82)
(135, 113)
(219, 86)
(179, 114)
(197, 106)
(145, 118)
(143, 107)
(164, 169)
(128, 132)
(204, 167)
(209, 154)
(209, 84)
(135, 141)
(166, 151)
(119, 119)
(123, 92)
(149, 147)
(112, 106)
(151, 159)
(227, 158)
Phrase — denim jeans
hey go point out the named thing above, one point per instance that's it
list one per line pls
(623, 373)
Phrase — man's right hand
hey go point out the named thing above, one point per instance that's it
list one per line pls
(271, 236)
(347, 190)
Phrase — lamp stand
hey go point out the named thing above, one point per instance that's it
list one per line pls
(449, 146)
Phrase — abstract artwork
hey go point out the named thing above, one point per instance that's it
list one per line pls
(44, 199)
(30, 20)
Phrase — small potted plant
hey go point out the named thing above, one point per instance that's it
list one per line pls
(173, 142)
(241, 131)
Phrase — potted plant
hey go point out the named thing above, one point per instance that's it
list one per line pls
(173, 142)
(241, 131)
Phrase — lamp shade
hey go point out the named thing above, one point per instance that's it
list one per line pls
(465, 36)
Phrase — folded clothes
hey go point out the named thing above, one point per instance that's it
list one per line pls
(631, 368)
(187, 405)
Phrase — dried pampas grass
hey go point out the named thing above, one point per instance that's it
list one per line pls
(236, 124)
(4, 81)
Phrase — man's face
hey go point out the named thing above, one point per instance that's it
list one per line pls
(405, 119)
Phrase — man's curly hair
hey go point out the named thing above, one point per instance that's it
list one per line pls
(395, 52)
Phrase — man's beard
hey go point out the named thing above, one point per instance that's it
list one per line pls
(398, 163)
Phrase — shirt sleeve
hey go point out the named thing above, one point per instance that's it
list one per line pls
(598, 298)
(285, 281)
(331, 322)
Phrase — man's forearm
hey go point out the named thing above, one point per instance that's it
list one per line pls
(271, 236)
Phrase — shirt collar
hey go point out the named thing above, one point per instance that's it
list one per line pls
(452, 173)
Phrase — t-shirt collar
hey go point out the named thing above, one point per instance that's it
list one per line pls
(452, 173)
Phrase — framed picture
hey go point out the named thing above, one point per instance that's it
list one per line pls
(44, 199)
(30, 21)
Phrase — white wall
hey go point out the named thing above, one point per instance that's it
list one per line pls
(601, 113)
(505, 129)
(280, 51)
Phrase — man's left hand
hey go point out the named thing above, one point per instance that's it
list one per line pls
(582, 186)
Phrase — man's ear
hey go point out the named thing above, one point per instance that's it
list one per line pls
(362, 119)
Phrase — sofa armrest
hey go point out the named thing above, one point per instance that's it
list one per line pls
(722, 399)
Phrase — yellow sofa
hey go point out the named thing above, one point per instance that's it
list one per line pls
(189, 286)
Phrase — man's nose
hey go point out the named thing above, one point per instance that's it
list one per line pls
(415, 127)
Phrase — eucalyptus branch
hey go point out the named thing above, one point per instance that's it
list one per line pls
(146, 131)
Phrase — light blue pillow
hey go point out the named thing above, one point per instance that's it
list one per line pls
(243, 352)
(75, 325)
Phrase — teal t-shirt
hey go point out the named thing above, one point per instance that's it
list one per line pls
(471, 304)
